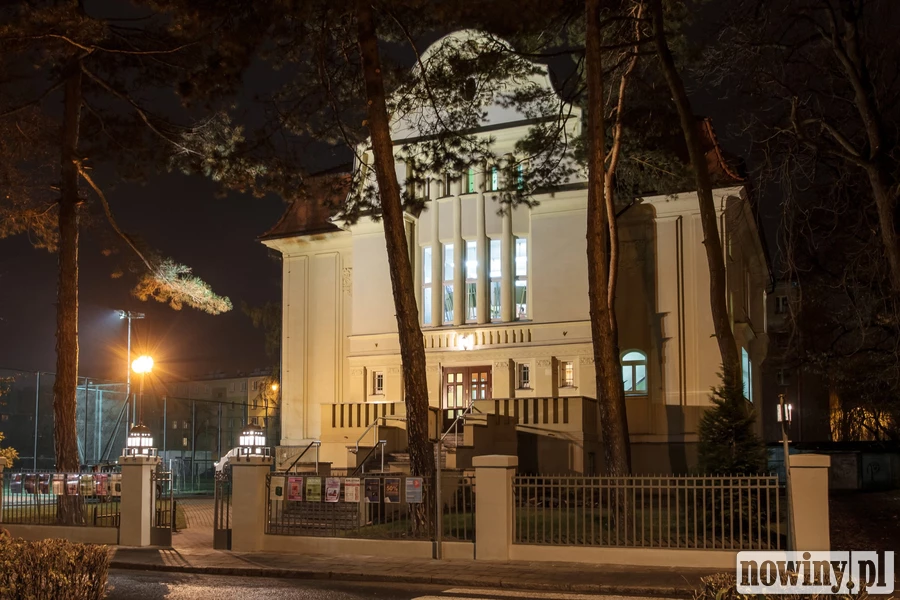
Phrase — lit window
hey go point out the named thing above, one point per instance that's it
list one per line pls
(520, 176)
(184, 442)
(184, 425)
(521, 278)
(448, 283)
(634, 372)
(495, 179)
(747, 374)
(496, 277)
(471, 281)
(524, 376)
(174, 424)
(781, 305)
(470, 181)
(566, 373)
(426, 286)
(378, 383)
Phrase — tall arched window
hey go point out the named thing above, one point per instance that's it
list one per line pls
(634, 372)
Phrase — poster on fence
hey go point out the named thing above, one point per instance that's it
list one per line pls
(58, 483)
(414, 490)
(373, 490)
(351, 489)
(295, 489)
(392, 490)
(101, 482)
(276, 488)
(332, 489)
(313, 489)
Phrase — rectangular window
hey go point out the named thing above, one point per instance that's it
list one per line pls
(496, 277)
(566, 373)
(781, 305)
(521, 278)
(520, 176)
(426, 286)
(495, 179)
(784, 377)
(524, 376)
(448, 283)
(471, 281)
(184, 425)
(747, 374)
(255, 386)
(470, 181)
(174, 424)
(378, 383)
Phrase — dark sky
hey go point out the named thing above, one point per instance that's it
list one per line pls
(182, 218)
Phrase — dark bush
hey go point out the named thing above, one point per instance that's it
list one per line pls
(51, 569)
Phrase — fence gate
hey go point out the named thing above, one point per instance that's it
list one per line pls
(162, 514)
(222, 510)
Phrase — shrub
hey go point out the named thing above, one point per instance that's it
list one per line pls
(51, 569)
(724, 587)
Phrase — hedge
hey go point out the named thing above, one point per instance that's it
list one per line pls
(51, 569)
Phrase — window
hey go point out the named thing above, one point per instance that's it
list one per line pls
(494, 179)
(174, 424)
(520, 175)
(448, 283)
(184, 425)
(781, 305)
(471, 282)
(524, 376)
(255, 385)
(747, 374)
(426, 286)
(243, 386)
(496, 275)
(469, 181)
(378, 383)
(566, 373)
(783, 376)
(231, 387)
(634, 372)
(521, 278)
(184, 442)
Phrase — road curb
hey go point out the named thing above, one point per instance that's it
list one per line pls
(515, 584)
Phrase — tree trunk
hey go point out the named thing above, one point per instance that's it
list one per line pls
(412, 346)
(613, 420)
(888, 218)
(718, 286)
(64, 388)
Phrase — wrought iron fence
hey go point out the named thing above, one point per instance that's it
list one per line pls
(739, 513)
(374, 506)
(222, 510)
(88, 499)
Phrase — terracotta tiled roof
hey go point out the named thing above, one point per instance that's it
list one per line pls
(311, 212)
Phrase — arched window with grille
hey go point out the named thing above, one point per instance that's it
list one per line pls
(634, 372)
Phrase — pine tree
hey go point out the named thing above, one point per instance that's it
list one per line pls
(728, 443)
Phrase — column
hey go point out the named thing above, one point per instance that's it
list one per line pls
(437, 263)
(137, 499)
(494, 510)
(3, 465)
(459, 272)
(484, 253)
(249, 502)
(506, 268)
(809, 501)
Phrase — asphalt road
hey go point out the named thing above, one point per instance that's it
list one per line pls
(152, 585)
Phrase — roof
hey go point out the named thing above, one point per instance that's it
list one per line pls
(722, 167)
(312, 210)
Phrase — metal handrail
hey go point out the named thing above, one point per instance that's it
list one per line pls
(468, 410)
(315, 443)
(361, 465)
(375, 425)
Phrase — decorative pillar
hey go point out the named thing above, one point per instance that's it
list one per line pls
(136, 504)
(809, 501)
(483, 288)
(459, 272)
(249, 502)
(506, 268)
(494, 511)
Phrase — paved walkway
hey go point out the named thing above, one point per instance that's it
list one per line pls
(606, 579)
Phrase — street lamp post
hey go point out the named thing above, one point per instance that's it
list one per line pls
(785, 416)
(140, 439)
(127, 314)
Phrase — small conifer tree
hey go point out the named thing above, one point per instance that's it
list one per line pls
(728, 443)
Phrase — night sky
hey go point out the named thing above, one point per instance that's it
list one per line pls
(183, 218)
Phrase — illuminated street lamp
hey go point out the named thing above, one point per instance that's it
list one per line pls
(140, 440)
(252, 441)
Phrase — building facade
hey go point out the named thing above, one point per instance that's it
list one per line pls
(504, 312)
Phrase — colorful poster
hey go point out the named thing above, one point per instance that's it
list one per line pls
(295, 488)
(313, 489)
(392, 490)
(413, 490)
(351, 489)
(58, 483)
(373, 490)
(276, 488)
(332, 489)
(87, 485)
(116, 484)
(101, 481)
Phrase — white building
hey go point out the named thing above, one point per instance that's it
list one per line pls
(517, 341)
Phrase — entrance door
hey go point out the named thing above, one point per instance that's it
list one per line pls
(463, 385)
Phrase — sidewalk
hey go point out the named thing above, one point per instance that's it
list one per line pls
(604, 579)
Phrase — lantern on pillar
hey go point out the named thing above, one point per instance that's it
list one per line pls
(252, 441)
(139, 442)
